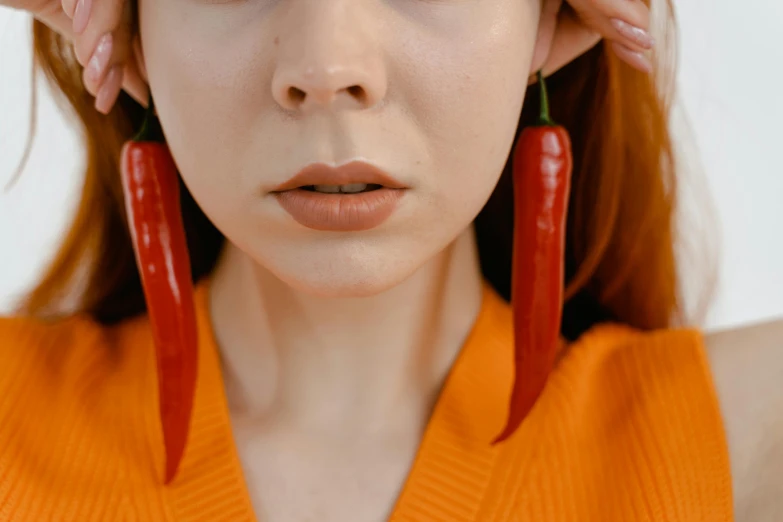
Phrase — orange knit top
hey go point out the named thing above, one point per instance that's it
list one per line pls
(627, 429)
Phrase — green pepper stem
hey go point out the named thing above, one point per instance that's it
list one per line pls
(544, 118)
(146, 131)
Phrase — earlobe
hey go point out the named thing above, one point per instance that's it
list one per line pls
(547, 26)
(135, 79)
(138, 57)
(562, 37)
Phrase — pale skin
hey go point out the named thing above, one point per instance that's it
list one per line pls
(221, 71)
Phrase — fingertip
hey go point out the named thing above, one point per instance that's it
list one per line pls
(635, 59)
(110, 90)
(634, 35)
(81, 16)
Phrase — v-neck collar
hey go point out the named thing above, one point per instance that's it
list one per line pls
(452, 468)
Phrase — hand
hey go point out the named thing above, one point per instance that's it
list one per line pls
(581, 24)
(100, 32)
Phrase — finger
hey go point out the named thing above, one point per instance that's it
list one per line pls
(107, 40)
(104, 18)
(634, 12)
(81, 14)
(79, 11)
(634, 37)
(68, 7)
(632, 57)
(623, 21)
(110, 89)
(578, 32)
(625, 24)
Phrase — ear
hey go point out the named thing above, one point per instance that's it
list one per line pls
(562, 38)
(135, 79)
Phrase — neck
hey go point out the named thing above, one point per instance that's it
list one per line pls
(331, 365)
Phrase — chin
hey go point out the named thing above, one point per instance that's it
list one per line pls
(347, 278)
(344, 289)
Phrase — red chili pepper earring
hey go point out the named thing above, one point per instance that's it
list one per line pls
(151, 186)
(542, 165)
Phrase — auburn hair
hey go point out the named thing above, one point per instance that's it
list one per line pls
(620, 262)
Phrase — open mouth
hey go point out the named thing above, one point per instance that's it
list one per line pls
(353, 188)
(353, 197)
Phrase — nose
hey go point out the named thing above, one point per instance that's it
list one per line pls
(338, 88)
(328, 58)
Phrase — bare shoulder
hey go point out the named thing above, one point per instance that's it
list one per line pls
(747, 365)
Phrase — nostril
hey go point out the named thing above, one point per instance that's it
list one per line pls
(358, 93)
(296, 95)
(296, 98)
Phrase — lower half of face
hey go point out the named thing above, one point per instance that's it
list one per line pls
(250, 93)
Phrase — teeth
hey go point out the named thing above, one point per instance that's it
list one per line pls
(330, 189)
(348, 189)
(353, 187)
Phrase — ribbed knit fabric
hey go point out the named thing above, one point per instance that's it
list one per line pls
(628, 429)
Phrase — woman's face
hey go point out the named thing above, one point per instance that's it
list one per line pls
(249, 92)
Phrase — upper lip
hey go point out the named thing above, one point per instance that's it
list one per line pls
(347, 174)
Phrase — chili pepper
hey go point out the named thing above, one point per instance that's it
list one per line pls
(542, 165)
(151, 186)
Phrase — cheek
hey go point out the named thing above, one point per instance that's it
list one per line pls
(205, 66)
(471, 87)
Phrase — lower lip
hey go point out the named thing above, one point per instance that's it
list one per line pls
(340, 212)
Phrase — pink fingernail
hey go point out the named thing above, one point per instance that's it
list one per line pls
(635, 34)
(81, 16)
(100, 59)
(110, 90)
(633, 58)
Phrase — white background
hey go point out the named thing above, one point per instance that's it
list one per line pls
(731, 91)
